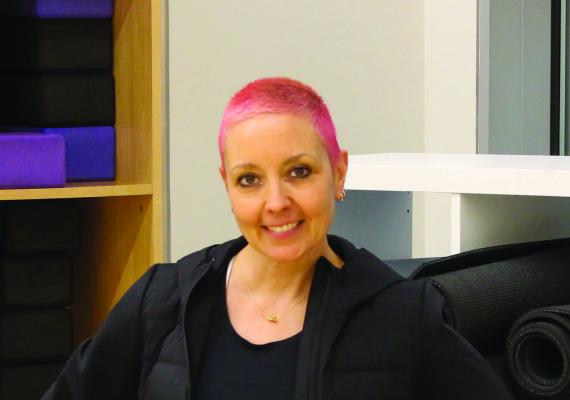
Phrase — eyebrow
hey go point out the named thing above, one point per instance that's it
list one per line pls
(290, 160)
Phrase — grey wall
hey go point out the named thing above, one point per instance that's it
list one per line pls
(518, 72)
(378, 221)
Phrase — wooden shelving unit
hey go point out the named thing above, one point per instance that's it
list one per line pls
(122, 220)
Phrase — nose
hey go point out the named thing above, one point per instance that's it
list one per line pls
(277, 198)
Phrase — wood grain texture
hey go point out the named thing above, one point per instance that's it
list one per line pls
(138, 73)
(133, 88)
(158, 144)
(116, 243)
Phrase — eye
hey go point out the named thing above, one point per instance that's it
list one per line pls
(248, 180)
(300, 172)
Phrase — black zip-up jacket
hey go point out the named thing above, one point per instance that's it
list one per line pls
(368, 334)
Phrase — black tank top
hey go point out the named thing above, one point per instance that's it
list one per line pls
(235, 369)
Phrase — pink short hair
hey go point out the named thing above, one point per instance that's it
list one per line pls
(281, 96)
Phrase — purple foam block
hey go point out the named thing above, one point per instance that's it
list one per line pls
(58, 8)
(31, 160)
(89, 152)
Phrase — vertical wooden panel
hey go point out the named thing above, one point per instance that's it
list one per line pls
(157, 133)
(133, 75)
(116, 243)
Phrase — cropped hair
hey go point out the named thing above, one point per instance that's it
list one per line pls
(281, 96)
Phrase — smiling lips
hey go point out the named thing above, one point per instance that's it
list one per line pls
(283, 228)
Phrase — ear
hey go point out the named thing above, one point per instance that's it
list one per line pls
(340, 171)
(223, 175)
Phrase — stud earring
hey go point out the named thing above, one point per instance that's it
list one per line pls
(341, 196)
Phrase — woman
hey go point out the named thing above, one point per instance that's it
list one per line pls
(286, 311)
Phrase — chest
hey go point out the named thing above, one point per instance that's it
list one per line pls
(366, 361)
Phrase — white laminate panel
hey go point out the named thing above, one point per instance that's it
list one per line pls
(461, 173)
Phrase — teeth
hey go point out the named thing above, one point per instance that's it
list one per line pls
(283, 228)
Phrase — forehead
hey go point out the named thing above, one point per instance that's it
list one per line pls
(273, 136)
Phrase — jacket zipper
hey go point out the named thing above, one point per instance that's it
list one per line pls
(185, 341)
(316, 379)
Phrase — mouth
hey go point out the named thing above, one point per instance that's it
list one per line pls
(284, 228)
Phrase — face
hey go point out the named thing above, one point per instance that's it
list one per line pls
(281, 185)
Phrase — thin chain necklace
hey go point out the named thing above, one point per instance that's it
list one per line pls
(271, 317)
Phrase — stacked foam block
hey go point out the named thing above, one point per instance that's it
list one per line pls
(57, 92)
(38, 243)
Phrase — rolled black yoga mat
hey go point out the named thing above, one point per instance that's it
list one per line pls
(56, 45)
(485, 297)
(57, 100)
(538, 353)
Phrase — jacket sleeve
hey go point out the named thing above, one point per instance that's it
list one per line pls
(107, 366)
(450, 368)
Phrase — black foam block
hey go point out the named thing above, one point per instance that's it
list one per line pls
(39, 226)
(27, 382)
(56, 45)
(58, 100)
(41, 280)
(42, 334)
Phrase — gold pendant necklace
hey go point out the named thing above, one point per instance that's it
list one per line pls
(273, 318)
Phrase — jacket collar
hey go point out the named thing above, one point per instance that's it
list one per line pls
(362, 276)
(215, 258)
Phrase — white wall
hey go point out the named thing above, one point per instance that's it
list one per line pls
(365, 57)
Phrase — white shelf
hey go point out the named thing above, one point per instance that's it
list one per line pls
(461, 173)
(494, 199)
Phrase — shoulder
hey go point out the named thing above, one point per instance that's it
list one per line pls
(219, 252)
(163, 289)
(414, 301)
(403, 304)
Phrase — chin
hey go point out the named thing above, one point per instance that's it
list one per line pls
(283, 255)
(287, 253)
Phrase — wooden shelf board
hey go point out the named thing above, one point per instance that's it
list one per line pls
(78, 190)
(461, 173)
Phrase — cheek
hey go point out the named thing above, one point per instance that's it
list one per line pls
(320, 204)
(244, 209)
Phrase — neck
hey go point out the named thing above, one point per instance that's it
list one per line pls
(267, 277)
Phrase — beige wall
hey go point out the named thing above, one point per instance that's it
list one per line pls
(365, 57)
(450, 109)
